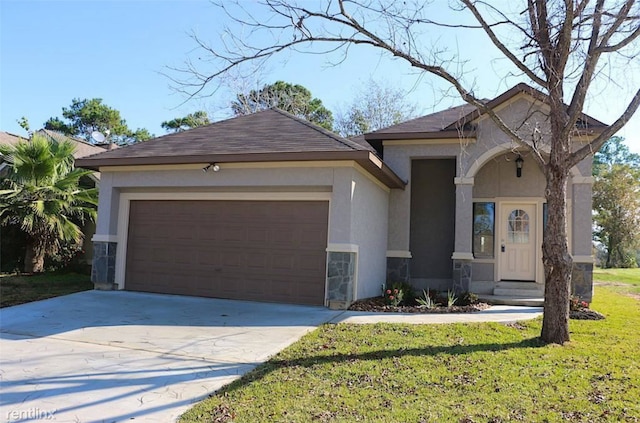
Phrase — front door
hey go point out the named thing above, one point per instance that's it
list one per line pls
(518, 241)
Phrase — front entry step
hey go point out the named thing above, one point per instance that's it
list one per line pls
(516, 294)
(512, 301)
(518, 289)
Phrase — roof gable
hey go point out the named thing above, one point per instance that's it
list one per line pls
(453, 122)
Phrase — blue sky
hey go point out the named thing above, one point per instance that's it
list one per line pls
(54, 51)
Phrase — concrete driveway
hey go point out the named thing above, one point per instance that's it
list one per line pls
(115, 356)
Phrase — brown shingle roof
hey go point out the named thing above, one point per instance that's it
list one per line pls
(9, 139)
(268, 131)
(269, 135)
(448, 123)
(430, 123)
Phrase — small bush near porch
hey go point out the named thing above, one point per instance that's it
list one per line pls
(20, 289)
(459, 373)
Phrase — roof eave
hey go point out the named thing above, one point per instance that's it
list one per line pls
(368, 160)
(420, 135)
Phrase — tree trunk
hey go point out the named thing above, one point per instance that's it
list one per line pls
(557, 261)
(33, 258)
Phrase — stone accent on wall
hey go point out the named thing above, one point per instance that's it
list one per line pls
(461, 275)
(341, 268)
(398, 269)
(582, 281)
(103, 272)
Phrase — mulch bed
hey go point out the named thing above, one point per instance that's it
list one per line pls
(585, 314)
(377, 304)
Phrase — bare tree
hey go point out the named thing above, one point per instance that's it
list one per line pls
(377, 105)
(559, 46)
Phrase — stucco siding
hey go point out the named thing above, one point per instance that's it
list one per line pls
(581, 217)
(369, 217)
(113, 183)
(497, 178)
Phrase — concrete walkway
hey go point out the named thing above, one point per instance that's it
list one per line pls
(121, 356)
(500, 313)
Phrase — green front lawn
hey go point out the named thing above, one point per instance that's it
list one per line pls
(433, 373)
(620, 280)
(20, 289)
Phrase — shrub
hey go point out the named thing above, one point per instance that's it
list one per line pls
(426, 300)
(393, 296)
(467, 298)
(576, 303)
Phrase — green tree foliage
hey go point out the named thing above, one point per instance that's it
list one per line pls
(616, 202)
(190, 121)
(613, 152)
(88, 115)
(42, 194)
(377, 106)
(291, 98)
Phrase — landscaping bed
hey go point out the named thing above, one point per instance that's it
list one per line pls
(378, 304)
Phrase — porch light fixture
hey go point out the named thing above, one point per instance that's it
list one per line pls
(212, 166)
(519, 162)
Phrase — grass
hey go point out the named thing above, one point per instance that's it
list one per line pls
(20, 289)
(437, 373)
(620, 280)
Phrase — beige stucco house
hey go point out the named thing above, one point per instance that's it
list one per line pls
(269, 207)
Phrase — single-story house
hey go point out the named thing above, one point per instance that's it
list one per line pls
(269, 207)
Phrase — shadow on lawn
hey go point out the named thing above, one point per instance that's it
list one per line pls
(275, 364)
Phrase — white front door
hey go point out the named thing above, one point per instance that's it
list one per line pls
(518, 241)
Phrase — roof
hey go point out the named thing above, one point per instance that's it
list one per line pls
(83, 148)
(451, 122)
(269, 135)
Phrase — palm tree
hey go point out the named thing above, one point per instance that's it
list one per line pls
(42, 194)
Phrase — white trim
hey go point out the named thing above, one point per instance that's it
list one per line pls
(458, 180)
(462, 256)
(127, 197)
(583, 259)
(399, 253)
(501, 149)
(342, 248)
(499, 235)
(104, 238)
(582, 180)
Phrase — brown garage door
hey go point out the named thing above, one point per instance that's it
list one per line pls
(250, 250)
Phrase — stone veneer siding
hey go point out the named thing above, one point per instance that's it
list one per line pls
(398, 269)
(582, 281)
(461, 275)
(103, 272)
(341, 268)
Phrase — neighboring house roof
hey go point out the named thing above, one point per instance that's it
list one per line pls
(269, 135)
(7, 138)
(83, 148)
(452, 122)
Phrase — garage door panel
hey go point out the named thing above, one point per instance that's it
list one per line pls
(253, 250)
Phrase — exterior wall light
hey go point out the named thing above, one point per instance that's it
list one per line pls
(212, 166)
(519, 162)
